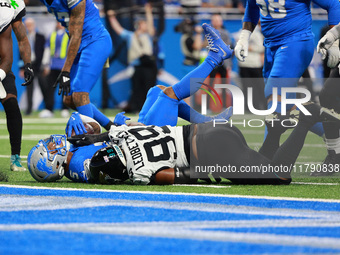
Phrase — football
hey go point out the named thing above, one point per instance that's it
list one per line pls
(91, 128)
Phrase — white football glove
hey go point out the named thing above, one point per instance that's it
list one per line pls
(328, 40)
(333, 54)
(241, 49)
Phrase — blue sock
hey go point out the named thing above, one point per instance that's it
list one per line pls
(150, 100)
(318, 129)
(189, 114)
(99, 116)
(163, 112)
(184, 89)
(86, 110)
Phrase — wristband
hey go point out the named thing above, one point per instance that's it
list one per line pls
(245, 35)
(335, 31)
(2, 74)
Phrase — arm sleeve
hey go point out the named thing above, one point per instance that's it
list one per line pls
(252, 12)
(73, 3)
(333, 9)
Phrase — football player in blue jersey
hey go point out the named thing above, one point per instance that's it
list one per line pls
(289, 44)
(89, 47)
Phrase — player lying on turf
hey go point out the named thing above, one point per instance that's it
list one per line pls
(165, 109)
(329, 98)
(161, 155)
(164, 155)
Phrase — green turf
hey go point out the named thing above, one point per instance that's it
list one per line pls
(314, 151)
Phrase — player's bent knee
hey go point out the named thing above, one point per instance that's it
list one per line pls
(80, 98)
(170, 93)
(8, 96)
(162, 87)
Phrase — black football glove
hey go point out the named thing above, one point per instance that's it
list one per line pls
(64, 82)
(29, 74)
(83, 140)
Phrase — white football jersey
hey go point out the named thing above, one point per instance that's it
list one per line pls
(10, 10)
(19, 8)
(6, 14)
(150, 149)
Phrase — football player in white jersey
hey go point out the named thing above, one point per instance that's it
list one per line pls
(172, 155)
(168, 155)
(11, 13)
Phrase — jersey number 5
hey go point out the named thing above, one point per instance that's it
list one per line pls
(275, 9)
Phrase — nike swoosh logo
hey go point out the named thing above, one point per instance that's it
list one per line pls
(282, 48)
(224, 53)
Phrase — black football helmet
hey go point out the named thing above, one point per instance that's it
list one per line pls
(108, 166)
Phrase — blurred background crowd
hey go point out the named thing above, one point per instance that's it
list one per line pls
(155, 42)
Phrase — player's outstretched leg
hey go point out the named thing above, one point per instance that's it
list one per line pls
(184, 110)
(14, 126)
(288, 152)
(274, 125)
(218, 52)
(189, 114)
(165, 110)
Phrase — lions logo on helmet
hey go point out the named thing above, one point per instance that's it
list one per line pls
(46, 160)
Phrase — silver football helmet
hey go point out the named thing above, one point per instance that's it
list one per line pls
(46, 161)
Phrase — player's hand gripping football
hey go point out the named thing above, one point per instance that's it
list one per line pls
(75, 123)
(29, 74)
(64, 82)
(241, 48)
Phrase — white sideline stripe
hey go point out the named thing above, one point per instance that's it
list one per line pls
(28, 137)
(200, 185)
(36, 127)
(182, 232)
(316, 183)
(305, 145)
(178, 194)
(39, 121)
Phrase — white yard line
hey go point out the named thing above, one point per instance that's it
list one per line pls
(316, 183)
(193, 232)
(178, 194)
(199, 185)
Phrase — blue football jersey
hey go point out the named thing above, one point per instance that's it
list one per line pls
(79, 165)
(92, 27)
(284, 21)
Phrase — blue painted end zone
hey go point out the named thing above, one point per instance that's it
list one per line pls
(81, 243)
(48, 221)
